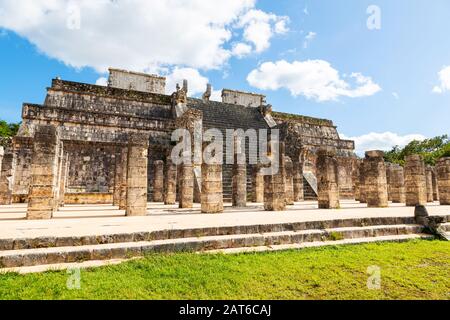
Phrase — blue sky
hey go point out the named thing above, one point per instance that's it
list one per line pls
(399, 64)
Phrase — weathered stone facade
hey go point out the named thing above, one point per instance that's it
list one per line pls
(443, 176)
(415, 181)
(375, 180)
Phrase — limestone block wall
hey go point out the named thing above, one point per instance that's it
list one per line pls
(245, 99)
(136, 81)
(91, 169)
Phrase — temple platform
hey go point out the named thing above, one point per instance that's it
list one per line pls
(81, 233)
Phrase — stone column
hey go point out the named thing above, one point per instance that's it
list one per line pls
(355, 178)
(375, 180)
(117, 179)
(7, 177)
(415, 181)
(158, 181)
(239, 177)
(289, 187)
(274, 183)
(63, 178)
(362, 183)
(258, 185)
(443, 176)
(435, 185)
(212, 188)
(389, 173)
(170, 182)
(429, 181)
(137, 174)
(397, 181)
(186, 184)
(44, 173)
(327, 179)
(123, 178)
(298, 181)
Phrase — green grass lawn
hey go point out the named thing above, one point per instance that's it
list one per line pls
(411, 270)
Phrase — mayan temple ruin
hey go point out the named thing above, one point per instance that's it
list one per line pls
(89, 144)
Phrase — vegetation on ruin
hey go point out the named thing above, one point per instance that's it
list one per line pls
(410, 270)
(303, 119)
(8, 130)
(430, 149)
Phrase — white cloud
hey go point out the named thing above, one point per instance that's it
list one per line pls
(444, 78)
(259, 28)
(196, 82)
(216, 95)
(314, 79)
(102, 81)
(241, 50)
(381, 141)
(395, 95)
(308, 38)
(139, 34)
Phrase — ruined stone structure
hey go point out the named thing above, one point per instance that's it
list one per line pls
(328, 180)
(443, 176)
(375, 180)
(415, 181)
(101, 132)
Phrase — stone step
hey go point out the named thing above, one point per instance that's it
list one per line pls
(281, 247)
(298, 246)
(446, 226)
(127, 250)
(53, 242)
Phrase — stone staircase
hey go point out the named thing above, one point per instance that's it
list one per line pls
(59, 252)
(232, 117)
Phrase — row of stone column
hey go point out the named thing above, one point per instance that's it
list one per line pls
(276, 191)
(415, 184)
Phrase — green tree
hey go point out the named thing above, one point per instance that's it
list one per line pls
(8, 129)
(430, 149)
